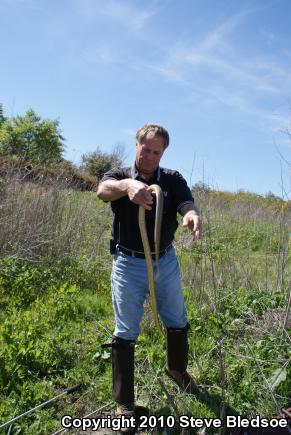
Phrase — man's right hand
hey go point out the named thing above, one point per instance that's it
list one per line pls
(138, 194)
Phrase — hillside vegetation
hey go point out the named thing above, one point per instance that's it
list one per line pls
(55, 307)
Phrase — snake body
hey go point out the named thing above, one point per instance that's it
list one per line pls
(154, 189)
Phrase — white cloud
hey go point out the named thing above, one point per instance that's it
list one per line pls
(26, 4)
(129, 132)
(122, 12)
(101, 53)
(216, 38)
(111, 47)
(254, 84)
(168, 73)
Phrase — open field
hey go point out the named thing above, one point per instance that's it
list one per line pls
(55, 309)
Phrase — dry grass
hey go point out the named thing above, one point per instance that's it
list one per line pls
(244, 252)
(47, 225)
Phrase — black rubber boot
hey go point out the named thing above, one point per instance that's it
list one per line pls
(123, 379)
(123, 370)
(177, 359)
(177, 348)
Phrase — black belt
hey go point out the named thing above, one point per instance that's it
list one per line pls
(137, 254)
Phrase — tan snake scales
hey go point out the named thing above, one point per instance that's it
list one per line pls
(154, 189)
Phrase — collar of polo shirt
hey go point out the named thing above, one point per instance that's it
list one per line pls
(134, 172)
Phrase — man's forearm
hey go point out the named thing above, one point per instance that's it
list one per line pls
(110, 190)
(192, 220)
(189, 207)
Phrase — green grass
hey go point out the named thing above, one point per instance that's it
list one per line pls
(51, 344)
(55, 313)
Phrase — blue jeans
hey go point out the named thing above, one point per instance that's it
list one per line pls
(129, 282)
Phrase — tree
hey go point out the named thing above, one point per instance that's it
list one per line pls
(201, 185)
(31, 138)
(99, 162)
(2, 117)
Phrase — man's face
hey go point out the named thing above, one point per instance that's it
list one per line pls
(149, 153)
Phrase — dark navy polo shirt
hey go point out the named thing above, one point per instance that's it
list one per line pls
(125, 230)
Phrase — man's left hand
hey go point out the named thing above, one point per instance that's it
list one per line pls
(193, 221)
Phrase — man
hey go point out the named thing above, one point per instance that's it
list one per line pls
(126, 188)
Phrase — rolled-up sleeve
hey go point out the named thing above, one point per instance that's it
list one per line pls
(181, 193)
(113, 174)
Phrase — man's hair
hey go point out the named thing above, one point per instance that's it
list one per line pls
(157, 130)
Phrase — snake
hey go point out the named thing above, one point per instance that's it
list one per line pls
(154, 189)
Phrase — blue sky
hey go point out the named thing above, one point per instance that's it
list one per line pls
(216, 73)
